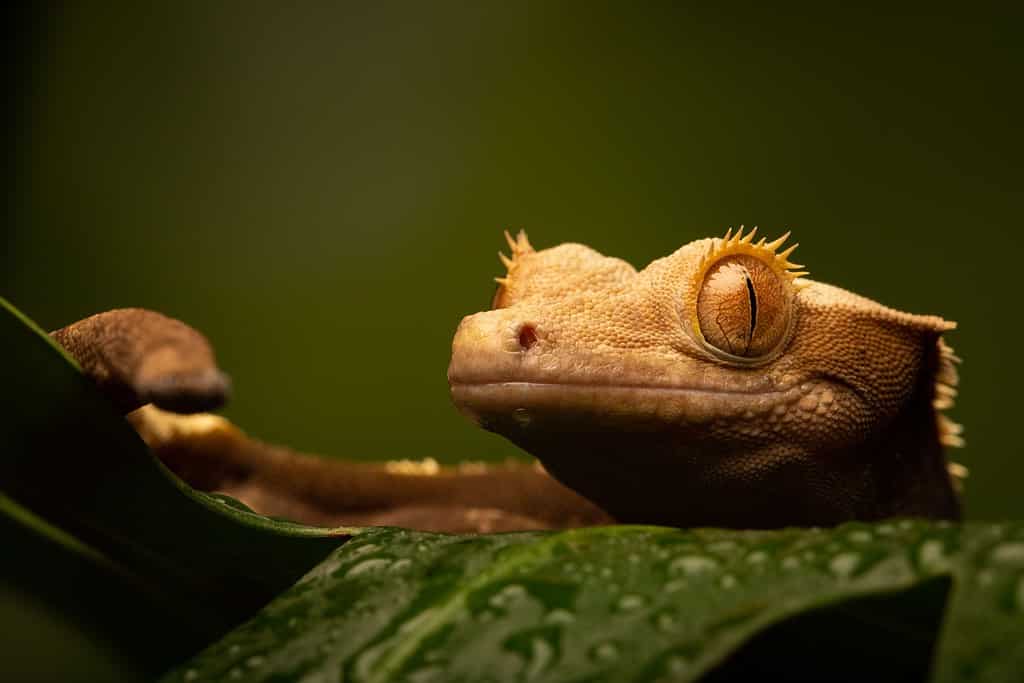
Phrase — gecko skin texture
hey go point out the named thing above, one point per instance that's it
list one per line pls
(716, 387)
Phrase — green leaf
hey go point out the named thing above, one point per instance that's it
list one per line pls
(608, 604)
(983, 638)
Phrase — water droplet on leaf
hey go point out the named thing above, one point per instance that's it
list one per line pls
(757, 557)
(844, 564)
(631, 602)
(401, 565)
(1009, 553)
(931, 555)
(541, 654)
(370, 565)
(665, 621)
(605, 652)
(559, 616)
(676, 665)
(693, 564)
(508, 595)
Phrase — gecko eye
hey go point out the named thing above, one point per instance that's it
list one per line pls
(743, 307)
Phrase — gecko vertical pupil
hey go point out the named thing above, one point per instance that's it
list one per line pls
(752, 296)
(742, 307)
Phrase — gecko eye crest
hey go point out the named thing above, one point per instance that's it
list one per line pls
(744, 301)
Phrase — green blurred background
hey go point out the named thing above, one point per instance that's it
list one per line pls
(322, 190)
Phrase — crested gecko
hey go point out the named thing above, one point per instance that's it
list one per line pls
(718, 386)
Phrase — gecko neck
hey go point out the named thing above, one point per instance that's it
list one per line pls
(906, 466)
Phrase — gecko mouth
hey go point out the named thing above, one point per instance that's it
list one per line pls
(499, 385)
(617, 405)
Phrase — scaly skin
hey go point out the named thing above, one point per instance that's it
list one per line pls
(711, 388)
(137, 356)
(606, 375)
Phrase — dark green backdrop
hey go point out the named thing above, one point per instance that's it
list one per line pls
(322, 191)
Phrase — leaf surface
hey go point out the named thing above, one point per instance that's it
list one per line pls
(608, 604)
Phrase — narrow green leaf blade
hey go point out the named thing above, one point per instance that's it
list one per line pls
(70, 458)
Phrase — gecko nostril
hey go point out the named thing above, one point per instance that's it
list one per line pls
(527, 337)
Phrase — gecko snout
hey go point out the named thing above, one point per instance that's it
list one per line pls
(492, 346)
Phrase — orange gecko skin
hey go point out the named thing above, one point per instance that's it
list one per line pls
(718, 386)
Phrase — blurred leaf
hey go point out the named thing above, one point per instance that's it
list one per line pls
(69, 614)
(615, 604)
(79, 488)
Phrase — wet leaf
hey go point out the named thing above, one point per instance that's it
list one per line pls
(983, 637)
(608, 604)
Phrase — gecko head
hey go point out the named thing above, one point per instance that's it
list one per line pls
(717, 369)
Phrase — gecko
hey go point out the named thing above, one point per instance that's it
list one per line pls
(718, 386)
